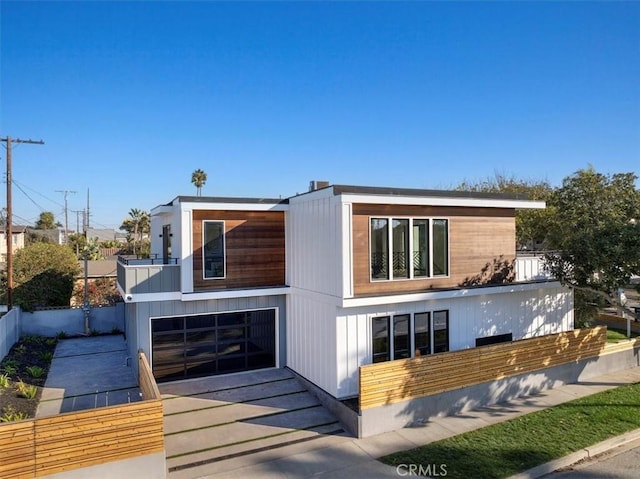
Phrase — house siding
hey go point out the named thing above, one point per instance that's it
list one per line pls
(314, 242)
(142, 313)
(477, 238)
(254, 249)
(524, 314)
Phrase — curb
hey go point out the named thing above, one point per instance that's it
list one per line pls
(586, 453)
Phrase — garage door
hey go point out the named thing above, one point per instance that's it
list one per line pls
(204, 345)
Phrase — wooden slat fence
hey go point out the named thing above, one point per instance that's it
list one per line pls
(395, 381)
(148, 386)
(64, 442)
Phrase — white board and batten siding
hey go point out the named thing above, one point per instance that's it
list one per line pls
(318, 245)
(524, 314)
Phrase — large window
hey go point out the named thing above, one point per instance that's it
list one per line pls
(213, 249)
(409, 335)
(412, 248)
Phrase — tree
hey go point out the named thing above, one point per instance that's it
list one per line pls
(137, 224)
(596, 231)
(47, 221)
(44, 275)
(198, 178)
(532, 226)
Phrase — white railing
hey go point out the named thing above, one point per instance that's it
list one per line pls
(531, 268)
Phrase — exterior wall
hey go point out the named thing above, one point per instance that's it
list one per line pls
(531, 268)
(314, 245)
(9, 330)
(50, 322)
(477, 237)
(140, 314)
(312, 339)
(525, 314)
(254, 249)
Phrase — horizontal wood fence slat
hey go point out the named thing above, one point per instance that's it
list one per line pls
(64, 442)
(148, 385)
(395, 381)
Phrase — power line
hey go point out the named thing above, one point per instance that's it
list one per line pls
(29, 197)
(66, 213)
(38, 193)
(8, 140)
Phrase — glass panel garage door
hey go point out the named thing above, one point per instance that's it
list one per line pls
(205, 345)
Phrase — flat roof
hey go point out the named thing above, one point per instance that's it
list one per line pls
(228, 199)
(387, 191)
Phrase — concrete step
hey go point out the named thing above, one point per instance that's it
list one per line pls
(245, 430)
(232, 412)
(254, 452)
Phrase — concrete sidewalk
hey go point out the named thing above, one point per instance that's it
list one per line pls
(340, 456)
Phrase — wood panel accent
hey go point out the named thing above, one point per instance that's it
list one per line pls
(17, 450)
(395, 381)
(477, 237)
(64, 442)
(254, 249)
(147, 382)
(74, 440)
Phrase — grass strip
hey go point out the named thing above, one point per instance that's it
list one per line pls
(617, 335)
(507, 448)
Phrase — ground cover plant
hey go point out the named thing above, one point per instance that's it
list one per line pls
(616, 335)
(23, 373)
(507, 448)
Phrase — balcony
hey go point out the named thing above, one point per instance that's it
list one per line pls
(531, 267)
(149, 275)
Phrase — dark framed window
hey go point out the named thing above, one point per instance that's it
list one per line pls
(440, 331)
(380, 334)
(409, 335)
(401, 336)
(213, 249)
(421, 335)
(408, 248)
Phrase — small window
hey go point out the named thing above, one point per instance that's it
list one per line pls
(422, 338)
(440, 331)
(420, 248)
(400, 248)
(213, 249)
(401, 338)
(381, 339)
(440, 247)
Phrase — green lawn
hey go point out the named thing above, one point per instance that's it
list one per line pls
(513, 446)
(617, 335)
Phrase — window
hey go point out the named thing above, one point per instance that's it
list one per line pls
(379, 249)
(381, 339)
(412, 248)
(407, 336)
(440, 331)
(422, 338)
(213, 249)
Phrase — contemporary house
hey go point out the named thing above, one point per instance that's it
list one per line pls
(330, 280)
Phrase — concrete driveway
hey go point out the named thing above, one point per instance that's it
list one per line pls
(86, 373)
(216, 423)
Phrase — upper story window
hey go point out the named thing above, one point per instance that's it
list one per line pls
(213, 249)
(409, 248)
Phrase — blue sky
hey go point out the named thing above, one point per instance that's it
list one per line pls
(130, 98)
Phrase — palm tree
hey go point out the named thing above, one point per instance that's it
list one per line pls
(140, 220)
(199, 178)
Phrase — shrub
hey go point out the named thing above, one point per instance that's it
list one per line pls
(35, 371)
(9, 414)
(46, 356)
(26, 390)
(5, 381)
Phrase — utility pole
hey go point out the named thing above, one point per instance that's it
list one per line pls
(8, 140)
(66, 214)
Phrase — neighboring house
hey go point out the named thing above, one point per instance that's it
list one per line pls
(330, 280)
(17, 241)
(56, 235)
(104, 234)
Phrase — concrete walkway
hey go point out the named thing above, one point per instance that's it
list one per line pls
(86, 373)
(336, 455)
